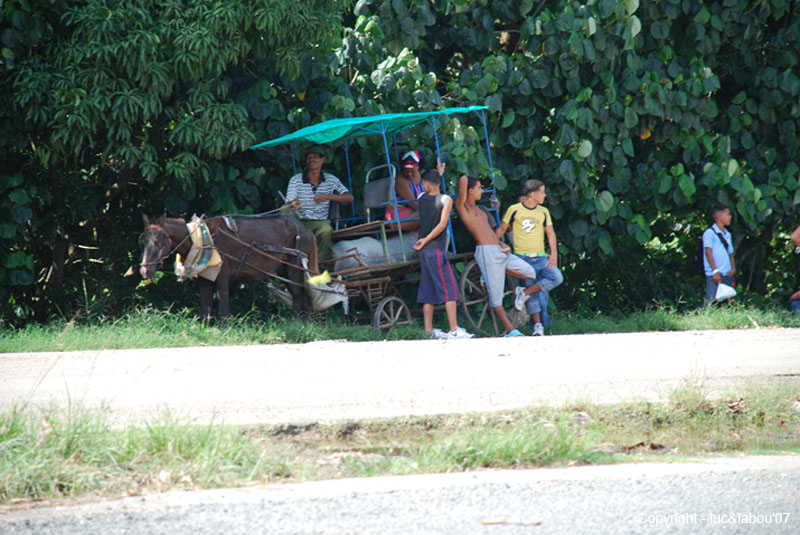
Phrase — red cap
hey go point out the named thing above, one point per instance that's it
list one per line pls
(410, 159)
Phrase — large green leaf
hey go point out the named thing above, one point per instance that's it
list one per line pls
(631, 118)
(660, 31)
(703, 16)
(579, 227)
(605, 244)
(567, 170)
(630, 6)
(664, 184)
(686, 185)
(636, 26)
(584, 148)
(732, 167)
(19, 196)
(604, 201)
(508, 118)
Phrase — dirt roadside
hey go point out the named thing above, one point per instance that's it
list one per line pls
(335, 380)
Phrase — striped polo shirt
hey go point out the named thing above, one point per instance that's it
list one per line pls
(302, 190)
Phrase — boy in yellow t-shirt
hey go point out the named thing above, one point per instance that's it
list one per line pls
(531, 223)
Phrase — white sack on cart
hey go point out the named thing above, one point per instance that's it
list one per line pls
(370, 251)
(323, 296)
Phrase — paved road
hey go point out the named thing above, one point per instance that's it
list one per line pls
(335, 380)
(748, 495)
(329, 381)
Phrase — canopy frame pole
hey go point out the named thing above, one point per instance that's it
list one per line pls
(396, 149)
(347, 142)
(433, 121)
(394, 201)
(492, 207)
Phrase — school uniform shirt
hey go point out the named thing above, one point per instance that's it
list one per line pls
(301, 189)
(528, 225)
(719, 252)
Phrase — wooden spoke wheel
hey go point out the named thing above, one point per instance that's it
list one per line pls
(391, 312)
(475, 301)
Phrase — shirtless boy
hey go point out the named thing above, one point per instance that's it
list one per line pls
(492, 256)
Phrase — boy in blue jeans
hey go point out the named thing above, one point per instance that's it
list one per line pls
(531, 223)
(437, 283)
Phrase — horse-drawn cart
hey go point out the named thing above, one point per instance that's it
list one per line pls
(373, 258)
(375, 275)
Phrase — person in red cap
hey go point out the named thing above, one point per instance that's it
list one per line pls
(408, 187)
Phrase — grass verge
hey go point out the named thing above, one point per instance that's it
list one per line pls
(51, 455)
(146, 328)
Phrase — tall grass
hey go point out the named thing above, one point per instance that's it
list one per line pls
(73, 453)
(527, 443)
(78, 453)
(668, 319)
(147, 328)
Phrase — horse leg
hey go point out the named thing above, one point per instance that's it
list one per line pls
(223, 294)
(306, 302)
(297, 289)
(205, 287)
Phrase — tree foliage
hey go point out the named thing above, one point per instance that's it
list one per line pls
(125, 106)
(638, 115)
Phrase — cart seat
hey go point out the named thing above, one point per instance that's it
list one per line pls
(377, 193)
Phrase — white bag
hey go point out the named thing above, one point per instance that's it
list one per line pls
(724, 292)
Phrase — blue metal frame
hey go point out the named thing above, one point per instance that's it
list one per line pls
(491, 167)
(382, 131)
(349, 180)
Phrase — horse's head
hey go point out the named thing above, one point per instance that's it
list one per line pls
(155, 244)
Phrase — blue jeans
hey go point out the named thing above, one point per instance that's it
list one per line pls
(547, 279)
(795, 305)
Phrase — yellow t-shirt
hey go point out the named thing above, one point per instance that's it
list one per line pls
(528, 227)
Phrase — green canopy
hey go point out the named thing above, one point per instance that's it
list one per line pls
(334, 129)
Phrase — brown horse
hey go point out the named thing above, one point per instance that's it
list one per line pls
(252, 249)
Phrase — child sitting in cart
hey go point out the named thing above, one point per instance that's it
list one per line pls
(437, 283)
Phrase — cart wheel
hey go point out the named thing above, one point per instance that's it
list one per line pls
(391, 312)
(475, 301)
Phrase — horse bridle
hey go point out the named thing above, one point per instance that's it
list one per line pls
(160, 259)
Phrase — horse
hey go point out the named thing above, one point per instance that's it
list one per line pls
(252, 248)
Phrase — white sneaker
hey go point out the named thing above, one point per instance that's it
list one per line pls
(437, 334)
(460, 332)
(521, 299)
(538, 329)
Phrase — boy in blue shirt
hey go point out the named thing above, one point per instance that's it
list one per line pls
(718, 262)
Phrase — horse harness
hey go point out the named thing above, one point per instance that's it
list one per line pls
(232, 233)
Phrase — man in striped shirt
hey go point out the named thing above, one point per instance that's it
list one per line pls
(310, 194)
